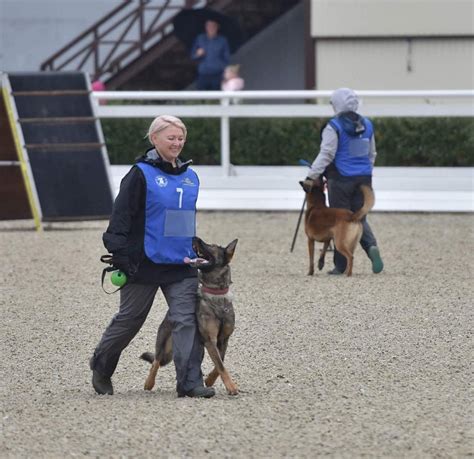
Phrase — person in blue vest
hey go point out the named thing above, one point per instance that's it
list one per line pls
(346, 157)
(212, 53)
(149, 234)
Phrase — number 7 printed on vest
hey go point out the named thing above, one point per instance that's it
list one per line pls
(180, 191)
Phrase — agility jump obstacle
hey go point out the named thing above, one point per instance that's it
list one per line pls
(53, 160)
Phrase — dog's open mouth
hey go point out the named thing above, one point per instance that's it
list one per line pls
(204, 257)
(196, 262)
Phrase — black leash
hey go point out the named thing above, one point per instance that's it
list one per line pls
(108, 259)
(298, 225)
(302, 162)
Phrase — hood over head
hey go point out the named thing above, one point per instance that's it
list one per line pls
(346, 103)
(344, 100)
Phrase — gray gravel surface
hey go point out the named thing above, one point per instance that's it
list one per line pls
(368, 366)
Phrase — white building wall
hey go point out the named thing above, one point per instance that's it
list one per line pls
(395, 63)
(337, 18)
(393, 44)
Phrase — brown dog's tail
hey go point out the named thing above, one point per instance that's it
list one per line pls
(148, 357)
(369, 201)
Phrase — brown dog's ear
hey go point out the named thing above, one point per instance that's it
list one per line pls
(230, 249)
(307, 185)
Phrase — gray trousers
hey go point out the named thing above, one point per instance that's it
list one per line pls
(345, 194)
(135, 304)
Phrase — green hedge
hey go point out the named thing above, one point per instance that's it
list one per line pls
(400, 141)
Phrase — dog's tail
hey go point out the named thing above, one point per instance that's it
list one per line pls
(369, 201)
(148, 357)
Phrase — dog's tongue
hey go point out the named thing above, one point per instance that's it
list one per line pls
(195, 261)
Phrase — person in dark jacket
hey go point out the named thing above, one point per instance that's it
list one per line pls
(212, 53)
(346, 157)
(149, 235)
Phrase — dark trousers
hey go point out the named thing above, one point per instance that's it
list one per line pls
(345, 193)
(135, 304)
(209, 82)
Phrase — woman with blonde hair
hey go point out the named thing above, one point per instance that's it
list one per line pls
(149, 235)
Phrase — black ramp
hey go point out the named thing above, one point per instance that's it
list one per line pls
(70, 105)
(71, 184)
(64, 144)
(47, 81)
(53, 133)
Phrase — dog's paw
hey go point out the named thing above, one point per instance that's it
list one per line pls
(149, 385)
(232, 389)
(211, 379)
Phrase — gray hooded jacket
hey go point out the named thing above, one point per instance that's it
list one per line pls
(342, 100)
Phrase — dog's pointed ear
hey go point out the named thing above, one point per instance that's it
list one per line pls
(307, 184)
(230, 249)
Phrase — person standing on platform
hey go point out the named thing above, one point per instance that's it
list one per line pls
(212, 53)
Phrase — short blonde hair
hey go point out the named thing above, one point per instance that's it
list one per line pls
(234, 68)
(162, 122)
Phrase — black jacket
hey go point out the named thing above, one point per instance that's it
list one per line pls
(125, 234)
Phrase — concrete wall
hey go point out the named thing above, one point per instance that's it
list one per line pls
(274, 59)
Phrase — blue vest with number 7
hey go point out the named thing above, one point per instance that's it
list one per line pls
(170, 214)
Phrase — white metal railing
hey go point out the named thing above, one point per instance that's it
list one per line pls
(303, 104)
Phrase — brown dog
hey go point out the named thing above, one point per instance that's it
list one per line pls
(215, 314)
(323, 224)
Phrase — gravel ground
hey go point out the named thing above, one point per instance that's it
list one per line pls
(368, 366)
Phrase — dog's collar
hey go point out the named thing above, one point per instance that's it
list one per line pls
(214, 291)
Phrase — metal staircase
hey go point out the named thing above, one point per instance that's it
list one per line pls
(133, 46)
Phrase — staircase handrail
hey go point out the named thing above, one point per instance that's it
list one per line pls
(110, 62)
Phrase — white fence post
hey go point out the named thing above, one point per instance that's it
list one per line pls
(225, 140)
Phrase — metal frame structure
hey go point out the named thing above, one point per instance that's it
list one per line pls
(119, 37)
(22, 153)
(21, 147)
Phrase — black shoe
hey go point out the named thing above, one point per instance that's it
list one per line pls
(102, 384)
(334, 272)
(198, 392)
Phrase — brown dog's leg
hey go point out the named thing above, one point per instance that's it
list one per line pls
(311, 256)
(150, 380)
(163, 352)
(214, 374)
(350, 261)
(350, 238)
(322, 255)
(349, 257)
(211, 377)
(231, 387)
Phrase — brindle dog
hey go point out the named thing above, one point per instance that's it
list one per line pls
(323, 224)
(215, 314)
